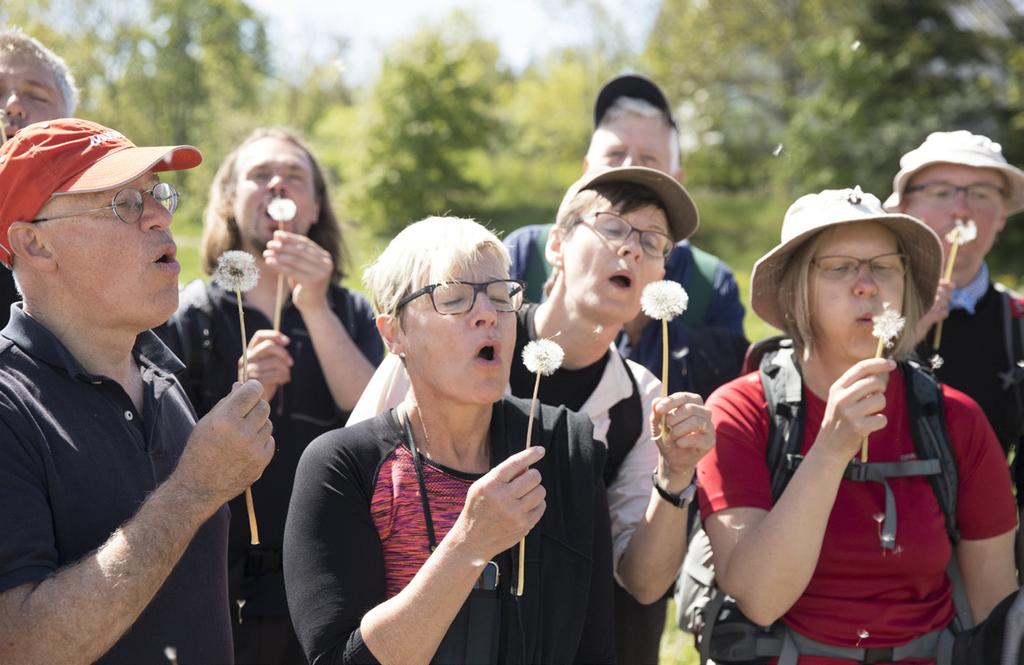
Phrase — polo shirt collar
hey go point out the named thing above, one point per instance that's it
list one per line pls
(967, 298)
(34, 339)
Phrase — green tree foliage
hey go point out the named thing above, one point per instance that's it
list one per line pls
(429, 120)
(547, 113)
(735, 71)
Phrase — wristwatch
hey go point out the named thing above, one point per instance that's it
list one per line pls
(681, 500)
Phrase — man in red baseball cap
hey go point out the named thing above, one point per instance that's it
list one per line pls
(114, 530)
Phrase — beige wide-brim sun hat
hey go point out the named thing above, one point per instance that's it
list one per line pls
(813, 213)
(963, 148)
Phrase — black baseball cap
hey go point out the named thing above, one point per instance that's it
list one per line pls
(630, 85)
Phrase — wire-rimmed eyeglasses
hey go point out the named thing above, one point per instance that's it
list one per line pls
(129, 203)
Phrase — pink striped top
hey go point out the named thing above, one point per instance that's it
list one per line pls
(397, 512)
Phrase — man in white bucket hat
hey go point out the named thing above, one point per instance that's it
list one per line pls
(963, 177)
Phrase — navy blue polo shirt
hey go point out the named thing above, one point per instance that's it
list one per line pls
(76, 462)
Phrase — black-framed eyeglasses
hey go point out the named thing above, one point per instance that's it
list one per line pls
(505, 295)
(655, 244)
(128, 204)
(941, 194)
(883, 268)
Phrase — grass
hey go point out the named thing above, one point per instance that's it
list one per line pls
(676, 646)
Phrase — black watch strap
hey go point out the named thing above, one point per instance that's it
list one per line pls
(681, 500)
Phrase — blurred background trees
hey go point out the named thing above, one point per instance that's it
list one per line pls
(774, 98)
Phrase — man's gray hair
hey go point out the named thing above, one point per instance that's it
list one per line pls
(635, 106)
(15, 42)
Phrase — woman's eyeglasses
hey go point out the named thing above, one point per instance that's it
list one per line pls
(883, 268)
(505, 295)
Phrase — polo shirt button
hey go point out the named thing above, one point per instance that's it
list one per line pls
(128, 415)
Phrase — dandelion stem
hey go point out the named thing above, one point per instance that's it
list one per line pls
(664, 373)
(529, 443)
(279, 301)
(864, 442)
(937, 342)
(245, 345)
(254, 533)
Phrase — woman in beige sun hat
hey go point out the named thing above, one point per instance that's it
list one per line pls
(843, 579)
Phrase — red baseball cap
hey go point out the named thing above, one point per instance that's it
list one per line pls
(72, 156)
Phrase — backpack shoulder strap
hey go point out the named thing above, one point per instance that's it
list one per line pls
(196, 333)
(626, 422)
(931, 441)
(537, 268)
(1013, 339)
(700, 285)
(783, 392)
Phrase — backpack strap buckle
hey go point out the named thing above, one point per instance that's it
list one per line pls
(878, 655)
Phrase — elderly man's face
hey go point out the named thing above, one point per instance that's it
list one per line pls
(123, 275)
(631, 140)
(28, 92)
(268, 168)
(941, 214)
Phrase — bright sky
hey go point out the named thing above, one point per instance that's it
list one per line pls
(524, 29)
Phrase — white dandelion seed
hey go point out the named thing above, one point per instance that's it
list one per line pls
(936, 362)
(887, 326)
(236, 271)
(855, 45)
(171, 654)
(543, 356)
(664, 300)
(281, 209)
(777, 150)
(962, 233)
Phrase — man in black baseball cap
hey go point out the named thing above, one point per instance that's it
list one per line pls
(634, 126)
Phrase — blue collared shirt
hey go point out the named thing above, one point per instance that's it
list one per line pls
(967, 298)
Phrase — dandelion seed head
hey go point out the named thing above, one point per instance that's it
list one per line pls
(236, 271)
(962, 233)
(281, 209)
(543, 356)
(887, 325)
(664, 300)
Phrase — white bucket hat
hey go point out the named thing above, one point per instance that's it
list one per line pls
(959, 147)
(813, 213)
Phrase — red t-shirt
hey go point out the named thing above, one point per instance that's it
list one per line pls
(857, 588)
